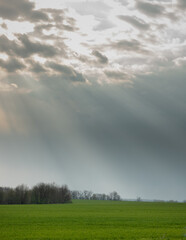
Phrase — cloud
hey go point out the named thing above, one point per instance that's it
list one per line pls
(135, 22)
(64, 39)
(96, 8)
(123, 2)
(117, 75)
(104, 24)
(13, 9)
(36, 16)
(36, 67)
(30, 47)
(3, 25)
(67, 72)
(129, 45)
(182, 4)
(11, 65)
(60, 20)
(181, 61)
(150, 9)
(101, 58)
(24, 48)
(20, 10)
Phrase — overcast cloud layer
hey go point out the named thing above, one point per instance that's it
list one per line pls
(92, 94)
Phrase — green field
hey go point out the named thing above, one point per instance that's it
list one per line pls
(93, 220)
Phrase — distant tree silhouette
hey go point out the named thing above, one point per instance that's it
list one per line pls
(89, 195)
(114, 196)
(40, 194)
(22, 195)
(138, 199)
(43, 193)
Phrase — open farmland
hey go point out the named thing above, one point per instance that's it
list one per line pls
(93, 220)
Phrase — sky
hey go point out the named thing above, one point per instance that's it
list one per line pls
(92, 95)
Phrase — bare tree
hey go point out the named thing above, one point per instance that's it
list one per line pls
(114, 196)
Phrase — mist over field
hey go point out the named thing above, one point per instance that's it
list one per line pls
(92, 95)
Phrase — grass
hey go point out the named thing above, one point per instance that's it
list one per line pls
(91, 220)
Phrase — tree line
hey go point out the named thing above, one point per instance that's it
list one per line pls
(89, 195)
(43, 193)
(40, 194)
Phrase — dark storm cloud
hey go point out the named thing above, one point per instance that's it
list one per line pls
(135, 22)
(11, 65)
(182, 4)
(13, 9)
(21, 10)
(101, 58)
(30, 47)
(36, 16)
(7, 45)
(150, 9)
(67, 72)
(36, 67)
(24, 48)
